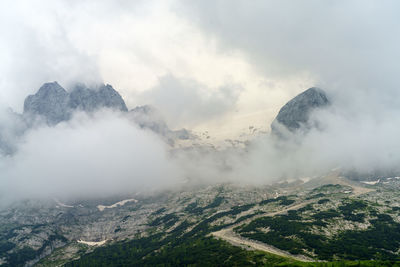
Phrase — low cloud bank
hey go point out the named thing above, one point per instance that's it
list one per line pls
(105, 153)
(91, 155)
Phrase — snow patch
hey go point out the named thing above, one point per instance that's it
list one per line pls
(305, 179)
(371, 182)
(59, 204)
(120, 203)
(90, 243)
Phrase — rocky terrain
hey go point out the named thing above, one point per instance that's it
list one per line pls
(281, 218)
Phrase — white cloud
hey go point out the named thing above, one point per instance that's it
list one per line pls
(101, 154)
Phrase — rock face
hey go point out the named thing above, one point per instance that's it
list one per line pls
(51, 102)
(55, 104)
(295, 113)
(87, 99)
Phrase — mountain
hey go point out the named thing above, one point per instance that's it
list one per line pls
(55, 104)
(295, 114)
(87, 99)
(296, 222)
(50, 102)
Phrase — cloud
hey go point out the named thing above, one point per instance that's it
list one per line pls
(131, 45)
(92, 155)
(186, 102)
(343, 44)
(36, 48)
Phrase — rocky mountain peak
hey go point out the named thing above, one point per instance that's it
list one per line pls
(55, 104)
(51, 88)
(50, 101)
(107, 96)
(90, 99)
(295, 113)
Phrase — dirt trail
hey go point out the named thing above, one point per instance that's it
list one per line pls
(357, 190)
(230, 236)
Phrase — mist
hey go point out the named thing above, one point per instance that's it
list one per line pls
(101, 154)
(204, 65)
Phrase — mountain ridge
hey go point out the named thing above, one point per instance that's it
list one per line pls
(53, 104)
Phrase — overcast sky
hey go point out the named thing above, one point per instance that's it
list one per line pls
(252, 56)
(264, 52)
(213, 65)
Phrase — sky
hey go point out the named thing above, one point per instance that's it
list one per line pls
(226, 63)
(217, 66)
(146, 50)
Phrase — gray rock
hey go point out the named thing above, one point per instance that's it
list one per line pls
(54, 104)
(82, 98)
(87, 99)
(50, 102)
(296, 113)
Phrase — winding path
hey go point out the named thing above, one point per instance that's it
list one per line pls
(230, 236)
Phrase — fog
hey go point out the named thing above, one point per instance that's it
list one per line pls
(200, 63)
(91, 155)
(189, 102)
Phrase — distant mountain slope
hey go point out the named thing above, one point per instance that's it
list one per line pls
(149, 118)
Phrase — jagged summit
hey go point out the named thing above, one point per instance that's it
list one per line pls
(296, 112)
(51, 88)
(55, 104)
(50, 101)
(87, 99)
